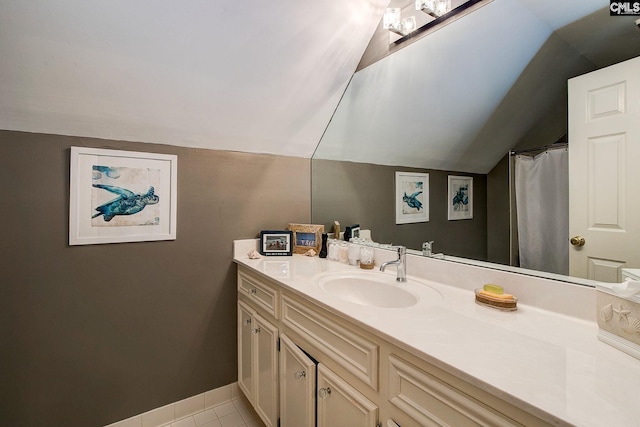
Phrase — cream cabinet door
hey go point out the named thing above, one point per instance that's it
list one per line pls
(340, 404)
(258, 363)
(245, 379)
(266, 370)
(297, 386)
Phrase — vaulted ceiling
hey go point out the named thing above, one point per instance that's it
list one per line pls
(246, 76)
(231, 75)
(463, 96)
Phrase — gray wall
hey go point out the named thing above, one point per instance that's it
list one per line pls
(498, 213)
(94, 334)
(361, 193)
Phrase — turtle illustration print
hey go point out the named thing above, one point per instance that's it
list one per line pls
(127, 202)
(461, 198)
(412, 200)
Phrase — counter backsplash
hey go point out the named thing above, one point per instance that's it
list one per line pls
(561, 297)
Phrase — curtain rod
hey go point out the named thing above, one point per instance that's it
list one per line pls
(543, 148)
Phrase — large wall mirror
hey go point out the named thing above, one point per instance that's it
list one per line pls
(456, 102)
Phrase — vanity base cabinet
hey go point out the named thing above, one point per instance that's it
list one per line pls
(355, 353)
(340, 404)
(432, 402)
(362, 379)
(313, 395)
(420, 394)
(297, 386)
(258, 363)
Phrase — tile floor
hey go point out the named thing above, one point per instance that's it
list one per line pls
(236, 413)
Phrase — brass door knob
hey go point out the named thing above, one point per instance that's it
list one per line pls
(577, 241)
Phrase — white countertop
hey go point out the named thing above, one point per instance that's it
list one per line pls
(546, 362)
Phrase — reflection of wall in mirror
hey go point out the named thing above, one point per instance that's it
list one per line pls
(592, 42)
(364, 193)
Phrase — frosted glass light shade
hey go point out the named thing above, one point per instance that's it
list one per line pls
(408, 25)
(442, 7)
(434, 8)
(391, 18)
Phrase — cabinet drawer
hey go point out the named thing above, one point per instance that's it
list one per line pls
(432, 402)
(259, 292)
(353, 352)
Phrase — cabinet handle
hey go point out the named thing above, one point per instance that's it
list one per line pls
(256, 330)
(247, 322)
(252, 291)
(300, 374)
(324, 392)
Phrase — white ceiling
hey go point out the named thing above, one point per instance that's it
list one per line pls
(253, 76)
(426, 105)
(232, 75)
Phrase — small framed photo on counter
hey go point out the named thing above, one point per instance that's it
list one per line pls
(276, 242)
(306, 236)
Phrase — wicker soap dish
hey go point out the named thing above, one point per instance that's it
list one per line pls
(494, 297)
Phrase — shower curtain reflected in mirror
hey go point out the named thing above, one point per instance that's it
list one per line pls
(542, 205)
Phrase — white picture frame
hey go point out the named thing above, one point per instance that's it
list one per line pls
(460, 197)
(121, 196)
(412, 197)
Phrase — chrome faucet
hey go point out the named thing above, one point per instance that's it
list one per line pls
(400, 263)
(427, 248)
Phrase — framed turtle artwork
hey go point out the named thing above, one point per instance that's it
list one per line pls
(460, 197)
(412, 197)
(121, 196)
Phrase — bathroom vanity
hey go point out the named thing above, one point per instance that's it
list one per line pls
(422, 353)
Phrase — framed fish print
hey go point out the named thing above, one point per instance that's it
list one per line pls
(460, 197)
(121, 196)
(412, 197)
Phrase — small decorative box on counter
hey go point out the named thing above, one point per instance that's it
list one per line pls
(618, 306)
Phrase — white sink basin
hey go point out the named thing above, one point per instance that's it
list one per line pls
(375, 289)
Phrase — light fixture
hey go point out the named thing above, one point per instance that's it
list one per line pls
(435, 8)
(436, 14)
(392, 21)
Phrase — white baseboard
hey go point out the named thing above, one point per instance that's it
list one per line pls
(183, 408)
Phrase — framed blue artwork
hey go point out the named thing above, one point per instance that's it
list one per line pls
(121, 196)
(412, 197)
(460, 197)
